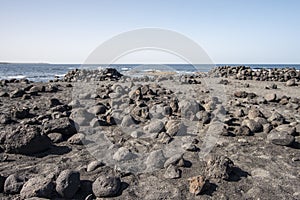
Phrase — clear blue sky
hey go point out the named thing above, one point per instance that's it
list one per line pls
(231, 31)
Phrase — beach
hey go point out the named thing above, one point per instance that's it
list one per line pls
(230, 133)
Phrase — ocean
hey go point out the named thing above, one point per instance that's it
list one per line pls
(46, 72)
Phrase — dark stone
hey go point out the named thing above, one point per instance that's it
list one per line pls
(282, 138)
(21, 113)
(219, 167)
(63, 125)
(55, 137)
(37, 187)
(13, 184)
(242, 131)
(106, 186)
(17, 93)
(54, 102)
(67, 183)
(241, 94)
(26, 140)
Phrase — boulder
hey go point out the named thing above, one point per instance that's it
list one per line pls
(127, 121)
(63, 125)
(54, 102)
(26, 140)
(94, 165)
(281, 138)
(176, 160)
(77, 138)
(155, 126)
(219, 167)
(55, 137)
(97, 110)
(286, 128)
(106, 186)
(172, 172)
(17, 93)
(67, 183)
(242, 131)
(254, 126)
(197, 184)
(254, 112)
(270, 97)
(21, 113)
(241, 94)
(276, 119)
(123, 154)
(37, 187)
(175, 127)
(291, 82)
(188, 107)
(13, 184)
(155, 160)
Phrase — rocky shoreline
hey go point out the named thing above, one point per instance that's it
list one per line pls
(232, 133)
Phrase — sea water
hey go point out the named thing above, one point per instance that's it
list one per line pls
(44, 72)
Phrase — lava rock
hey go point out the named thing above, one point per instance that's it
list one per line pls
(34, 90)
(67, 183)
(63, 125)
(172, 172)
(127, 121)
(175, 127)
(219, 167)
(241, 94)
(197, 184)
(291, 82)
(254, 112)
(21, 113)
(281, 138)
(17, 93)
(155, 160)
(13, 184)
(55, 137)
(26, 141)
(78, 139)
(94, 165)
(189, 106)
(242, 131)
(37, 187)
(106, 186)
(276, 119)
(270, 97)
(81, 116)
(254, 126)
(97, 110)
(176, 160)
(156, 126)
(123, 154)
(286, 128)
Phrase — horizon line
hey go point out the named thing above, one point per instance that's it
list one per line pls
(246, 63)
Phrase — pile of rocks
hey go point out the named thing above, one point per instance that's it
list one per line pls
(246, 73)
(92, 75)
(65, 184)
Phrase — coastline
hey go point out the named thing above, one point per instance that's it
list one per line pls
(256, 153)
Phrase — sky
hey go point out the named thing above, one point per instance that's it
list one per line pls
(230, 31)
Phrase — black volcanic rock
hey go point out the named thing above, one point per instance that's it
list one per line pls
(25, 140)
(63, 125)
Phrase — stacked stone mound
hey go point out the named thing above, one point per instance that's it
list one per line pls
(246, 73)
(92, 75)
